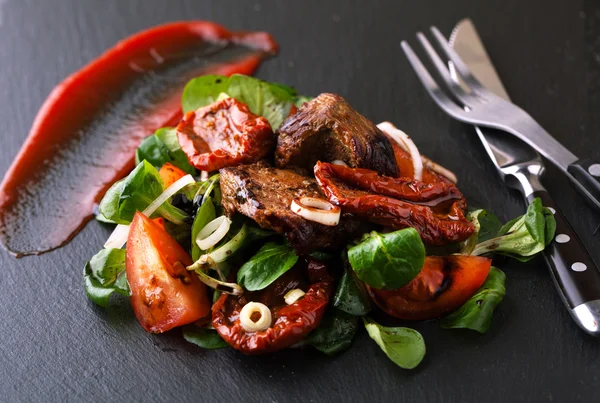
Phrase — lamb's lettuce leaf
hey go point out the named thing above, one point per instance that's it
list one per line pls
(270, 262)
(404, 346)
(476, 314)
(104, 275)
(523, 237)
(163, 147)
(335, 332)
(389, 260)
(135, 193)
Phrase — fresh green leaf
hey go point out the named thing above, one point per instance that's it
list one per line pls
(104, 275)
(523, 237)
(389, 260)
(549, 225)
(335, 332)
(205, 338)
(206, 213)
(404, 346)
(162, 147)
(486, 225)
(135, 193)
(270, 262)
(272, 101)
(476, 314)
(202, 91)
(351, 296)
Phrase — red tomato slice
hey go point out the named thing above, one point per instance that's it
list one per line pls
(164, 294)
(170, 174)
(443, 285)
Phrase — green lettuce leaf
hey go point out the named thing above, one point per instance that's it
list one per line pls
(163, 147)
(335, 332)
(351, 296)
(476, 314)
(104, 275)
(404, 346)
(487, 226)
(135, 193)
(389, 260)
(270, 262)
(204, 338)
(523, 237)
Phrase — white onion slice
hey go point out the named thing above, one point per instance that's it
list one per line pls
(402, 138)
(429, 164)
(293, 295)
(213, 232)
(437, 168)
(317, 210)
(339, 162)
(118, 238)
(263, 323)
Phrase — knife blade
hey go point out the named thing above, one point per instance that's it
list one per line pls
(575, 274)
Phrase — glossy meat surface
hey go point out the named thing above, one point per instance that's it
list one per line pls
(264, 194)
(327, 129)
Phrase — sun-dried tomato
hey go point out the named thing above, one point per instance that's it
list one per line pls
(435, 210)
(290, 323)
(224, 133)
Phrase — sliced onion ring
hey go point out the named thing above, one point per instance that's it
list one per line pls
(429, 164)
(119, 236)
(317, 210)
(293, 295)
(407, 144)
(213, 232)
(263, 322)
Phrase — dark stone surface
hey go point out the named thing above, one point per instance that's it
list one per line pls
(57, 346)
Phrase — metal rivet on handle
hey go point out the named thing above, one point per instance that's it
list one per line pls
(562, 238)
(578, 266)
(594, 170)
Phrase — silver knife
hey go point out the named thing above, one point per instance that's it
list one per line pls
(575, 274)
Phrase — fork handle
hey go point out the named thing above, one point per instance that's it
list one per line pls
(586, 175)
(574, 272)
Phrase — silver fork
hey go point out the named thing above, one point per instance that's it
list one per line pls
(479, 106)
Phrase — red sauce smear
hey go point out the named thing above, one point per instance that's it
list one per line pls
(85, 134)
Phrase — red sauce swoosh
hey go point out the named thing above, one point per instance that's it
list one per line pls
(86, 132)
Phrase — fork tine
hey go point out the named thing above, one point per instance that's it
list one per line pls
(442, 69)
(461, 67)
(443, 100)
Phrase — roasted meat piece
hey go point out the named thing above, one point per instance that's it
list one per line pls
(328, 129)
(435, 210)
(264, 194)
(224, 133)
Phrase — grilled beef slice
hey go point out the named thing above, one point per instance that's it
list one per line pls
(327, 129)
(264, 194)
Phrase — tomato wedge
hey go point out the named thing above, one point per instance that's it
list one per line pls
(170, 174)
(164, 294)
(443, 285)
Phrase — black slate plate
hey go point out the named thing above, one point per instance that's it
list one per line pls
(56, 346)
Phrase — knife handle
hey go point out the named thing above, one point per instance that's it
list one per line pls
(574, 272)
(586, 175)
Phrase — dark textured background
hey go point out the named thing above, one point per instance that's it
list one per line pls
(56, 346)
